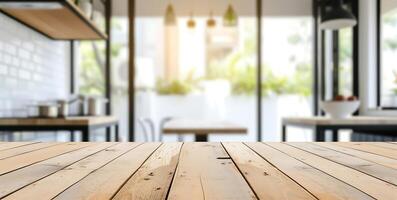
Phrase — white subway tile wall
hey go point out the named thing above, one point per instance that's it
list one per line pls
(33, 68)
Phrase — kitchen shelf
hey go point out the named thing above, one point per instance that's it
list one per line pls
(65, 23)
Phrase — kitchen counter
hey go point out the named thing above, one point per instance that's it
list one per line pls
(198, 171)
(84, 124)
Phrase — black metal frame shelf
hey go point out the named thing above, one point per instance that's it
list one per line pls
(69, 6)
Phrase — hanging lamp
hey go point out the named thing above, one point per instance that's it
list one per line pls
(211, 23)
(191, 23)
(170, 18)
(335, 16)
(230, 17)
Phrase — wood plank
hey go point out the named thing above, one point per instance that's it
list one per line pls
(390, 153)
(205, 171)
(381, 160)
(368, 184)
(17, 162)
(15, 180)
(266, 180)
(25, 149)
(315, 181)
(64, 178)
(154, 178)
(105, 182)
(10, 145)
(384, 145)
(379, 171)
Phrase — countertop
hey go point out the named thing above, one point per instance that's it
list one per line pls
(236, 170)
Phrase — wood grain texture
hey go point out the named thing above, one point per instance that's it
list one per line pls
(15, 180)
(66, 177)
(320, 184)
(63, 24)
(379, 171)
(381, 160)
(10, 145)
(205, 171)
(24, 149)
(267, 181)
(385, 145)
(154, 178)
(367, 147)
(104, 182)
(372, 186)
(16, 162)
(181, 171)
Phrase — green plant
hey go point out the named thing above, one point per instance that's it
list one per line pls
(92, 66)
(177, 87)
(239, 68)
(174, 87)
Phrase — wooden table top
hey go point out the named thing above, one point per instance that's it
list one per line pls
(358, 120)
(183, 171)
(68, 121)
(189, 126)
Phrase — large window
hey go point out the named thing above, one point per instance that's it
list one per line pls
(287, 73)
(200, 72)
(387, 94)
(210, 73)
(339, 66)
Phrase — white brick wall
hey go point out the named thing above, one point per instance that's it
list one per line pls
(32, 68)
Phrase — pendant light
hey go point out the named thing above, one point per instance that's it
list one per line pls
(211, 23)
(191, 23)
(170, 18)
(230, 17)
(335, 16)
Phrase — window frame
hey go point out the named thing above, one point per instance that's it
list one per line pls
(379, 59)
(354, 6)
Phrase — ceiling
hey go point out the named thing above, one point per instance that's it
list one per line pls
(151, 8)
(388, 5)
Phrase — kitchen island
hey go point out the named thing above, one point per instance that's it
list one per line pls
(198, 170)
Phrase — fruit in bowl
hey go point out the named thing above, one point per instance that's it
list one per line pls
(341, 107)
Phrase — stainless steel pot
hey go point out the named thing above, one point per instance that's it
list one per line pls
(47, 111)
(82, 105)
(96, 106)
(64, 107)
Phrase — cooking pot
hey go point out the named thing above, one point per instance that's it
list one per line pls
(63, 107)
(47, 110)
(96, 106)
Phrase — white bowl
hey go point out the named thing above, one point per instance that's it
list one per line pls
(340, 109)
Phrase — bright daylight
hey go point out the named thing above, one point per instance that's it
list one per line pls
(198, 99)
